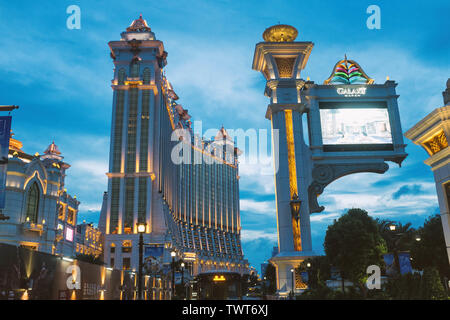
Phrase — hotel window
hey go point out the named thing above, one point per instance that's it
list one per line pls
(121, 76)
(134, 69)
(112, 263)
(146, 76)
(33, 203)
(126, 246)
(126, 263)
(129, 205)
(115, 187)
(71, 216)
(61, 212)
(118, 127)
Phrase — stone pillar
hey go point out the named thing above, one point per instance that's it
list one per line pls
(432, 133)
(280, 60)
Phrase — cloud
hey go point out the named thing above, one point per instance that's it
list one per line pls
(392, 199)
(250, 235)
(258, 207)
(216, 79)
(324, 217)
(407, 190)
(92, 169)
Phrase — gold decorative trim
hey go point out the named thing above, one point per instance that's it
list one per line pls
(292, 176)
(285, 67)
(436, 143)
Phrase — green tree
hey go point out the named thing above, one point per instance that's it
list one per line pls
(318, 268)
(89, 258)
(432, 286)
(352, 243)
(400, 239)
(271, 278)
(405, 287)
(430, 251)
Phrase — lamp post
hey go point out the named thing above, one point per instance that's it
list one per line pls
(292, 289)
(182, 278)
(141, 230)
(393, 227)
(295, 206)
(308, 267)
(173, 254)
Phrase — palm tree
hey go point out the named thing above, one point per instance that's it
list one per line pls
(399, 237)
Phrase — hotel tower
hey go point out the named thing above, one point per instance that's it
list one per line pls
(191, 207)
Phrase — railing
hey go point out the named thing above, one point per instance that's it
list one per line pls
(30, 226)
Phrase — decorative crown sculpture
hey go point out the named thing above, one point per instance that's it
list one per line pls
(348, 72)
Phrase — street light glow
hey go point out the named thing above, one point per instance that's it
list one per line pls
(141, 227)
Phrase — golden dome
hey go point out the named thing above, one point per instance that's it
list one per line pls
(280, 33)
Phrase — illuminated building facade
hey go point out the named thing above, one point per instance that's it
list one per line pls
(190, 207)
(88, 240)
(42, 215)
(432, 133)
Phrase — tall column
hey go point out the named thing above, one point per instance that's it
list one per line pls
(280, 60)
(432, 133)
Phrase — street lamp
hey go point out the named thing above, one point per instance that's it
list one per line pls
(173, 254)
(292, 279)
(182, 278)
(295, 206)
(399, 235)
(418, 238)
(141, 230)
(308, 266)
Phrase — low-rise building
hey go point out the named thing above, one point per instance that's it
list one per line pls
(88, 240)
(41, 215)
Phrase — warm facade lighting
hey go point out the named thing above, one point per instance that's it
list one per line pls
(219, 278)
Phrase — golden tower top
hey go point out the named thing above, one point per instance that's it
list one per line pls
(280, 33)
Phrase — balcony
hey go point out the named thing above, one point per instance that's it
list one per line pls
(34, 227)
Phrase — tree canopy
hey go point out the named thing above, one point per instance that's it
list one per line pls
(430, 251)
(352, 243)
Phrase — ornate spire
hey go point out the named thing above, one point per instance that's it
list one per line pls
(52, 149)
(139, 25)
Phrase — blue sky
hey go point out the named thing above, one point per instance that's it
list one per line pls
(61, 80)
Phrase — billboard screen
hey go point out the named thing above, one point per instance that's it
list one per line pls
(355, 126)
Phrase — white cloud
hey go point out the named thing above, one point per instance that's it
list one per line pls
(322, 217)
(93, 170)
(358, 191)
(249, 235)
(258, 207)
